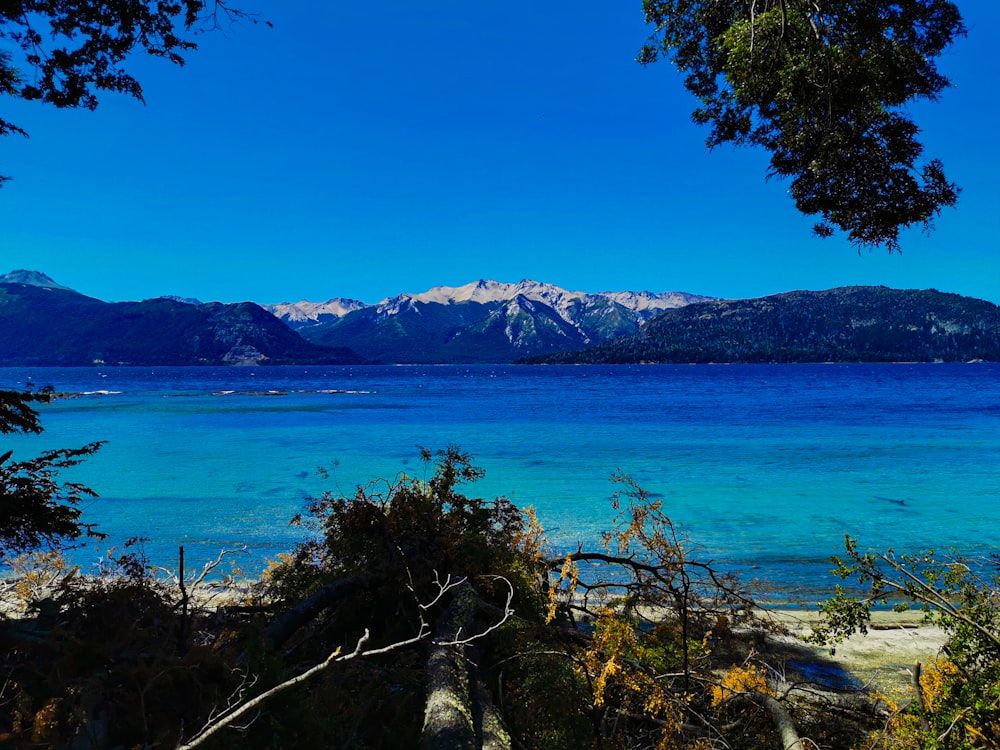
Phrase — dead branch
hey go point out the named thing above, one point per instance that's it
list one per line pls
(303, 614)
(505, 615)
(227, 718)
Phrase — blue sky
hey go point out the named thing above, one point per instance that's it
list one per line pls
(368, 149)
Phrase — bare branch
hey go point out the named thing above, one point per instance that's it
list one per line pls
(507, 614)
(227, 718)
(234, 712)
(443, 588)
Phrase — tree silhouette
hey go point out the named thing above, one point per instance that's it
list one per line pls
(822, 86)
(35, 508)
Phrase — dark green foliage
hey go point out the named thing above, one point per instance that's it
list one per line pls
(59, 327)
(547, 702)
(851, 324)
(404, 538)
(35, 508)
(962, 701)
(69, 52)
(15, 413)
(823, 87)
(437, 528)
(99, 664)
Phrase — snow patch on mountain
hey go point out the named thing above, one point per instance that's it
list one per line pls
(487, 291)
(304, 313)
(562, 300)
(31, 278)
(183, 300)
(642, 301)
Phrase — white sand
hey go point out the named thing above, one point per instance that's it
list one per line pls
(884, 657)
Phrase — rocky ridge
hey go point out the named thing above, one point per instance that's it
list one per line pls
(484, 321)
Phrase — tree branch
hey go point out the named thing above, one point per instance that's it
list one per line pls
(227, 718)
(231, 714)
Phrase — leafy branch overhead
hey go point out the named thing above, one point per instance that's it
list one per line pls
(822, 85)
(65, 53)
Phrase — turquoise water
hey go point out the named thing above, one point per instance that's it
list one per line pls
(765, 467)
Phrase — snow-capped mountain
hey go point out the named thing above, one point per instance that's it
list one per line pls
(485, 321)
(486, 291)
(31, 278)
(304, 314)
(640, 301)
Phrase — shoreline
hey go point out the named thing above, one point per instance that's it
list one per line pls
(881, 660)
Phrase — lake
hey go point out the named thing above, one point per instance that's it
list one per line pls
(765, 467)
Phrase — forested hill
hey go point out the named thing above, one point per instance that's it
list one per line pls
(52, 325)
(848, 324)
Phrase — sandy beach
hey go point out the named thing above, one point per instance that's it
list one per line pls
(883, 659)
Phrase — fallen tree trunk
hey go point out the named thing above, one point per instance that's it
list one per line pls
(448, 721)
(790, 739)
(282, 628)
(489, 726)
(782, 719)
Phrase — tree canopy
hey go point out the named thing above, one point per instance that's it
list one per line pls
(822, 85)
(66, 52)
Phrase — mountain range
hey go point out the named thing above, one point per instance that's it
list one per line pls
(45, 323)
(485, 321)
(847, 324)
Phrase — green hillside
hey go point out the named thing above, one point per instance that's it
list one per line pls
(848, 324)
(59, 327)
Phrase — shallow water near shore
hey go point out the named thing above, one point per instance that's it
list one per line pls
(766, 467)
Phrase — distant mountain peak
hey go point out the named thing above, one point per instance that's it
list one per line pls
(487, 291)
(304, 313)
(43, 326)
(182, 300)
(31, 278)
(483, 291)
